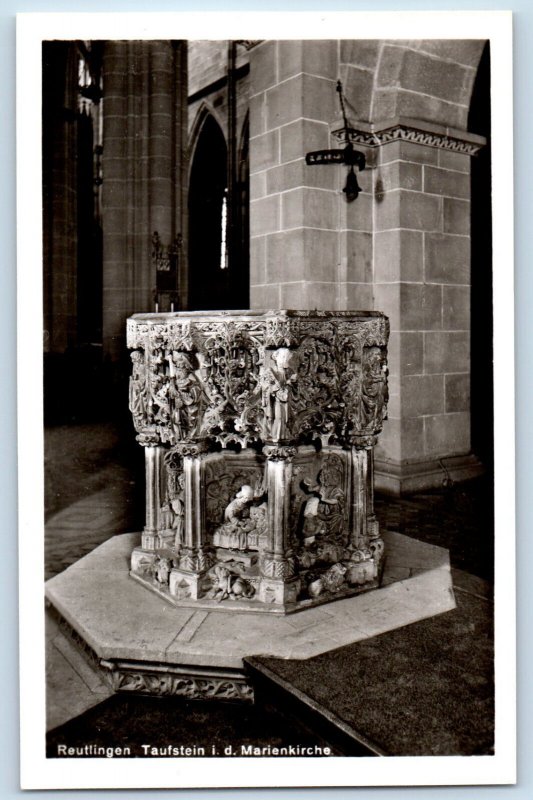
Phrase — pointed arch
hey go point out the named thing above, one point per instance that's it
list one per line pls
(204, 112)
(208, 280)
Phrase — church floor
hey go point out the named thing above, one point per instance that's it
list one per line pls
(428, 686)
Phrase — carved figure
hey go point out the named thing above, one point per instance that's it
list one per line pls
(244, 525)
(332, 499)
(331, 581)
(185, 395)
(162, 570)
(241, 588)
(323, 512)
(222, 583)
(312, 525)
(178, 507)
(243, 499)
(213, 418)
(277, 385)
(333, 578)
(374, 387)
(137, 389)
(166, 517)
(227, 585)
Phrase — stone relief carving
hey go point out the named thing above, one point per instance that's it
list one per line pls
(137, 389)
(407, 133)
(282, 569)
(270, 415)
(170, 684)
(230, 359)
(245, 522)
(318, 406)
(222, 482)
(324, 510)
(373, 387)
(228, 585)
(185, 396)
(278, 384)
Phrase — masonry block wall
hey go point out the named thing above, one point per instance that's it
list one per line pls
(144, 179)
(300, 230)
(422, 281)
(207, 87)
(402, 247)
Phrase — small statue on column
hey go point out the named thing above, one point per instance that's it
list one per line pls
(277, 384)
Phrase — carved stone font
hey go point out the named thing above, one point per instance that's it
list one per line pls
(258, 429)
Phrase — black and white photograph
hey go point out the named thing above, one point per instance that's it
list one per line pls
(266, 408)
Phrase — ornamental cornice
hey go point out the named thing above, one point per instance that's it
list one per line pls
(374, 135)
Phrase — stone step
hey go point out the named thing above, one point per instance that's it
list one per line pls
(423, 689)
(273, 692)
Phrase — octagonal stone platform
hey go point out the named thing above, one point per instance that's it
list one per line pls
(146, 645)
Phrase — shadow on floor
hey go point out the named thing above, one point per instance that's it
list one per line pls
(206, 728)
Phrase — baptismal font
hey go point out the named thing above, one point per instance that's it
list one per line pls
(258, 429)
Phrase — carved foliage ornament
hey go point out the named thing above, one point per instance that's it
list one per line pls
(169, 684)
(279, 379)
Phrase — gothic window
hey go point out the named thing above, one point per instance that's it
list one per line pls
(218, 243)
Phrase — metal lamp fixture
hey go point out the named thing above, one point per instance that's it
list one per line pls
(348, 155)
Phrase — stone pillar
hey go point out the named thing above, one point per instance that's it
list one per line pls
(422, 282)
(294, 208)
(194, 559)
(153, 459)
(143, 168)
(366, 545)
(278, 582)
(403, 246)
(372, 524)
(359, 495)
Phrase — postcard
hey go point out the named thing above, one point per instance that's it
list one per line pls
(265, 370)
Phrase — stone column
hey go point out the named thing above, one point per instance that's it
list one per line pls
(153, 459)
(294, 208)
(359, 466)
(422, 282)
(372, 524)
(366, 546)
(143, 160)
(186, 581)
(278, 582)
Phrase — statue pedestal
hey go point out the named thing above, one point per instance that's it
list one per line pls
(258, 430)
